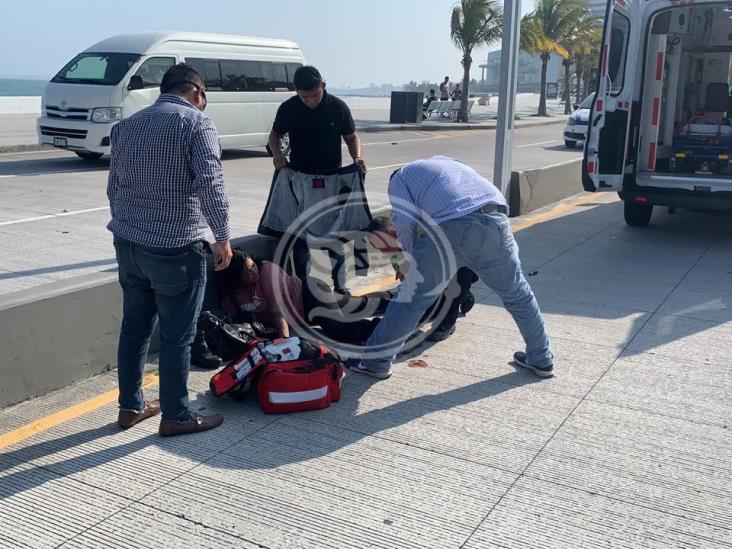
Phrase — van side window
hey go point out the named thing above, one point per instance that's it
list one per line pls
(153, 69)
(291, 68)
(212, 74)
(254, 76)
(617, 56)
(232, 75)
(279, 76)
(239, 75)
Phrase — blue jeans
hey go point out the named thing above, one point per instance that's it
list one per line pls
(166, 284)
(485, 243)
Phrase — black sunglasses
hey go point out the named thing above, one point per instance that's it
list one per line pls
(199, 88)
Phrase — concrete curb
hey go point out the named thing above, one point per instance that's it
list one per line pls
(375, 128)
(66, 331)
(441, 126)
(24, 148)
(533, 189)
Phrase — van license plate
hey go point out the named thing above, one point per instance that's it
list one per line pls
(60, 142)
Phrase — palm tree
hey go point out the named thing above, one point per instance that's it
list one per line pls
(578, 41)
(586, 56)
(474, 23)
(546, 29)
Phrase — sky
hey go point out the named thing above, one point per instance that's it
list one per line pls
(353, 43)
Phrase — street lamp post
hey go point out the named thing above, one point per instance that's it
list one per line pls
(507, 94)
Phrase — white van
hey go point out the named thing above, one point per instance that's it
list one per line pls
(660, 131)
(246, 80)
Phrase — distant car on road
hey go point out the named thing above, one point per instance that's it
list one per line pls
(576, 127)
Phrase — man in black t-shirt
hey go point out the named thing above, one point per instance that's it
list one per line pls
(315, 122)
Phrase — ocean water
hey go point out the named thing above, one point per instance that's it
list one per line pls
(18, 88)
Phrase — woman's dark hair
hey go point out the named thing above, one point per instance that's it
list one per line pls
(307, 78)
(228, 279)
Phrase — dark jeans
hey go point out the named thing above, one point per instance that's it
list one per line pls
(167, 284)
(343, 318)
(337, 255)
(456, 293)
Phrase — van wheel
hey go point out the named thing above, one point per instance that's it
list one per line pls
(89, 155)
(570, 144)
(637, 215)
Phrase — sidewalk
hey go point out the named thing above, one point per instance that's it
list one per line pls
(628, 446)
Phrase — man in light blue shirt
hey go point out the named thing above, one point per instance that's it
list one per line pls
(446, 216)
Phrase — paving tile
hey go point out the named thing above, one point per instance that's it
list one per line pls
(582, 322)
(488, 352)
(542, 515)
(132, 463)
(497, 421)
(658, 462)
(713, 273)
(703, 304)
(352, 491)
(685, 339)
(142, 526)
(667, 386)
(40, 509)
(639, 296)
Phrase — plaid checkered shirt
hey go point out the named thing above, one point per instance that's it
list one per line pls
(165, 178)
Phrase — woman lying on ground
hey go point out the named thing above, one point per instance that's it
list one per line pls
(252, 286)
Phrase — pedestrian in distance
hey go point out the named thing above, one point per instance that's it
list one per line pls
(445, 89)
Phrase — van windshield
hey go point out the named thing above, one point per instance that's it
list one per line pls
(105, 69)
(587, 103)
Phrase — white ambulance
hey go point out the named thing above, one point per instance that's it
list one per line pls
(660, 131)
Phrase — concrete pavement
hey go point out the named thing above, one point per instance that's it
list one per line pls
(628, 446)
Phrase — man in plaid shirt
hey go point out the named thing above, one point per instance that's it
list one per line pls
(165, 185)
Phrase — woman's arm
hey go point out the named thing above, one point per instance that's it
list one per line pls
(280, 322)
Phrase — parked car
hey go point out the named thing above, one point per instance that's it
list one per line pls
(576, 127)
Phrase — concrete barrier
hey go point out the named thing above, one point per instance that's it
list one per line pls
(66, 331)
(534, 189)
(63, 332)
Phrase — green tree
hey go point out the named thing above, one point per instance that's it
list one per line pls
(545, 30)
(474, 23)
(586, 57)
(579, 41)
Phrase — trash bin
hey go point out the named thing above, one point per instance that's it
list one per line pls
(405, 107)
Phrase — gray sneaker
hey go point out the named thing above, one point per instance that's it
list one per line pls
(519, 358)
(356, 366)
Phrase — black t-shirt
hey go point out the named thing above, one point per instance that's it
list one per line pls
(315, 134)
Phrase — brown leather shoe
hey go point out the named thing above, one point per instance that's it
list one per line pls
(194, 424)
(128, 418)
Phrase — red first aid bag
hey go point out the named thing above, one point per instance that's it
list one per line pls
(293, 375)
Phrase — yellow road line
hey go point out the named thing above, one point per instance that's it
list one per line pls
(553, 213)
(43, 424)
